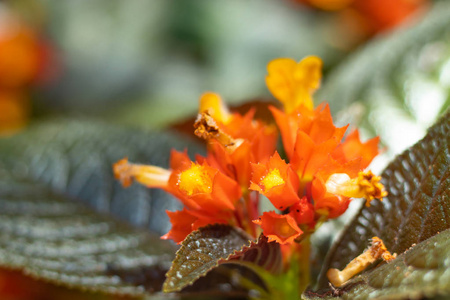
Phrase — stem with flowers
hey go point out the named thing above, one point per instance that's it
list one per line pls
(315, 182)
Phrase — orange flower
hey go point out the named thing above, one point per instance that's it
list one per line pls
(352, 148)
(366, 185)
(197, 185)
(303, 212)
(234, 141)
(315, 143)
(277, 181)
(294, 83)
(280, 228)
(185, 221)
(181, 225)
(326, 203)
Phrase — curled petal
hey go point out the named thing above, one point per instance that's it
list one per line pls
(280, 228)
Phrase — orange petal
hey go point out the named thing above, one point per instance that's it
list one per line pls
(303, 212)
(277, 181)
(179, 160)
(333, 205)
(280, 228)
(353, 148)
(182, 222)
(288, 125)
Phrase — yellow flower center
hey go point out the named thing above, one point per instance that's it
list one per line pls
(272, 179)
(366, 185)
(284, 229)
(195, 180)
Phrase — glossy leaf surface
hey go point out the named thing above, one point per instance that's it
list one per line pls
(49, 172)
(416, 209)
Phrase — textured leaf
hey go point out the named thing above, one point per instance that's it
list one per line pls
(47, 233)
(75, 158)
(264, 254)
(200, 252)
(422, 271)
(52, 238)
(416, 209)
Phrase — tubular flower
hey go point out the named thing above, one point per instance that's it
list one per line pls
(150, 176)
(280, 228)
(294, 83)
(315, 143)
(209, 195)
(277, 181)
(323, 173)
(366, 185)
(234, 141)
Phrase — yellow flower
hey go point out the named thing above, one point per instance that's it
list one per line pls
(294, 83)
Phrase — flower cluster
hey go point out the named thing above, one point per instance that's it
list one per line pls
(324, 170)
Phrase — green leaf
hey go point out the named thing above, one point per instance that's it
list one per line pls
(50, 237)
(416, 209)
(264, 254)
(422, 271)
(200, 252)
(75, 158)
(48, 173)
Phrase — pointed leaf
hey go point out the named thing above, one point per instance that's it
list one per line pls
(264, 254)
(416, 209)
(200, 252)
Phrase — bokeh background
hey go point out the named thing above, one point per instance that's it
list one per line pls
(144, 64)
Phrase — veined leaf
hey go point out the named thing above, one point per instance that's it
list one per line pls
(416, 209)
(48, 172)
(50, 237)
(422, 271)
(200, 252)
(75, 158)
(214, 245)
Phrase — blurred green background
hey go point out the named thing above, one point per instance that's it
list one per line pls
(144, 64)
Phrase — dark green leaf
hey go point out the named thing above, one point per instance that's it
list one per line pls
(422, 271)
(45, 231)
(202, 251)
(51, 238)
(416, 209)
(75, 158)
(264, 254)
